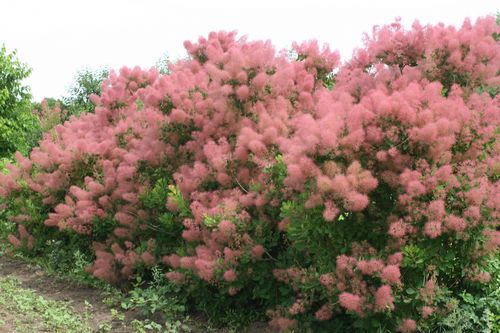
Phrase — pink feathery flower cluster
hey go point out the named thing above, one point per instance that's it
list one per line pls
(384, 299)
(351, 302)
(391, 274)
(407, 326)
(427, 311)
(24, 239)
(324, 313)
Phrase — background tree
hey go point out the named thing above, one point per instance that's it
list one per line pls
(17, 123)
(87, 82)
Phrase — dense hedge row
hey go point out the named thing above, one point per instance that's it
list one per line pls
(337, 197)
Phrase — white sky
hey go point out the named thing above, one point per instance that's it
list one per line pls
(56, 38)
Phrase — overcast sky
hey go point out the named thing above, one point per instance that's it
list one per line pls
(56, 38)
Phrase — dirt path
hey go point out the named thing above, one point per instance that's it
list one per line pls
(42, 294)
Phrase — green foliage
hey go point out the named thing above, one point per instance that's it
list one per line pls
(3, 162)
(12, 72)
(158, 297)
(475, 309)
(163, 225)
(223, 310)
(86, 83)
(491, 90)
(16, 119)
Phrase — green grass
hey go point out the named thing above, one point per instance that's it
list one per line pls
(25, 311)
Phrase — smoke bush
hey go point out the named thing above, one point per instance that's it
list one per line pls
(268, 178)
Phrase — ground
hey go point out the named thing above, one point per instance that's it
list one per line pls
(31, 301)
